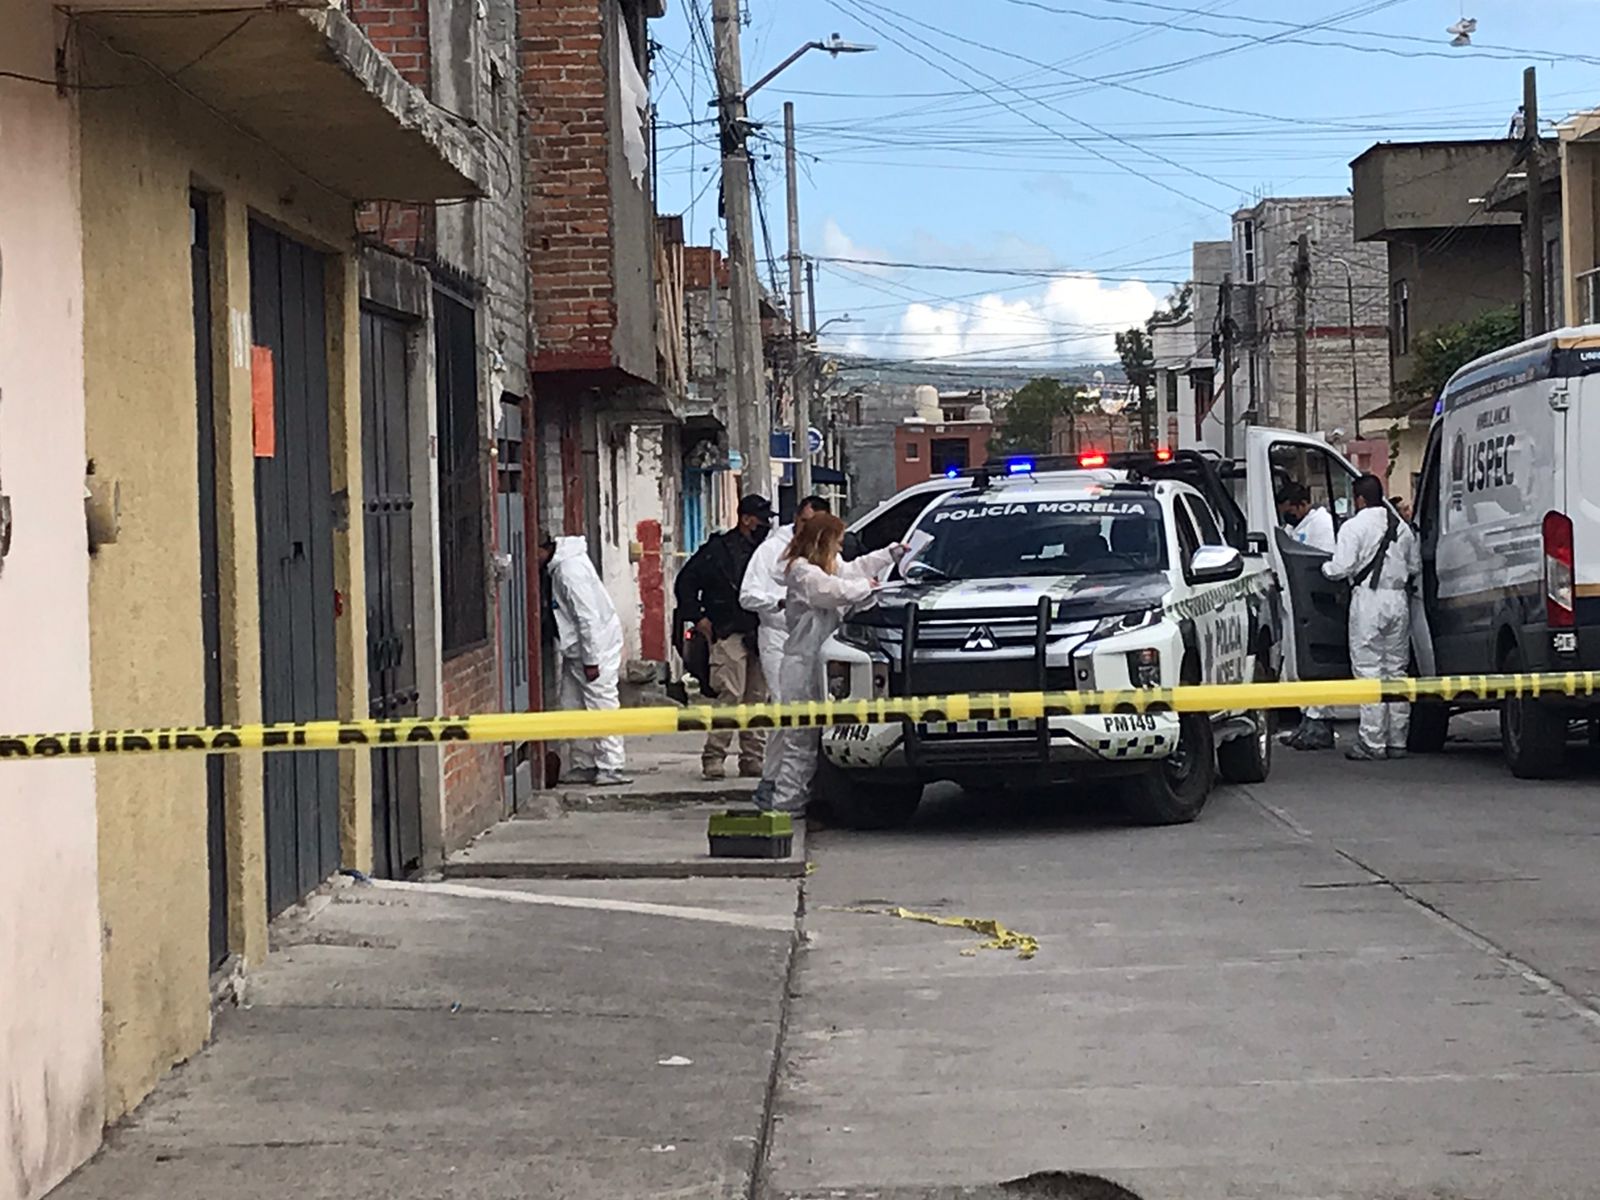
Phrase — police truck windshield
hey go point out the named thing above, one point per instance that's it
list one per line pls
(981, 538)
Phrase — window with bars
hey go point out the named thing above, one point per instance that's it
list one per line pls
(463, 598)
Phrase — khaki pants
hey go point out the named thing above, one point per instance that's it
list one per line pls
(737, 679)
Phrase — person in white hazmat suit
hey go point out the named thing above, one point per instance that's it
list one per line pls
(589, 643)
(819, 590)
(762, 592)
(1310, 525)
(1377, 553)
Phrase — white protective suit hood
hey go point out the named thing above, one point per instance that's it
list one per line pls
(587, 628)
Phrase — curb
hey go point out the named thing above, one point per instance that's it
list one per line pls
(761, 1159)
(726, 868)
(590, 800)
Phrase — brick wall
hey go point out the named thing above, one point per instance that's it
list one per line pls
(564, 80)
(473, 774)
(399, 28)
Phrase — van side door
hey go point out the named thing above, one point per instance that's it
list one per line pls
(1430, 660)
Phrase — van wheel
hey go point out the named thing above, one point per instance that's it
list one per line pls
(1533, 735)
(1249, 759)
(861, 806)
(1430, 728)
(1173, 791)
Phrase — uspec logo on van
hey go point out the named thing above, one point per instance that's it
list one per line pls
(1083, 508)
(1484, 464)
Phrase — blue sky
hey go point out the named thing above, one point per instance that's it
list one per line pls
(1079, 141)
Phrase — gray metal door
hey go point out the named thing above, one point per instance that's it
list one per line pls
(210, 592)
(391, 610)
(294, 531)
(511, 527)
(513, 548)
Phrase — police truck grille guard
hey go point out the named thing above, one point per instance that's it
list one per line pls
(1039, 678)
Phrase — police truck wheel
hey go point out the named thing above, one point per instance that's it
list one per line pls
(1174, 791)
(1249, 759)
(1430, 728)
(1533, 734)
(860, 806)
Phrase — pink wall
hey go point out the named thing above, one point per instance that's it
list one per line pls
(50, 1057)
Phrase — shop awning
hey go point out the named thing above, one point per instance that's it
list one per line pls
(308, 85)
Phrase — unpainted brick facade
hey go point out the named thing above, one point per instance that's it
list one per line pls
(464, 55)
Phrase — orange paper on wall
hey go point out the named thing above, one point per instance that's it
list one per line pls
(263, 423)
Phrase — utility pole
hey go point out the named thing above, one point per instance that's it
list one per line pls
(1355, 368)
(1225, 302)
(1531, 155)
(802, 369)
(1302, 290)
(748, 408)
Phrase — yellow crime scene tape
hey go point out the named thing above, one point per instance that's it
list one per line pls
(996, 936)
(633, 722)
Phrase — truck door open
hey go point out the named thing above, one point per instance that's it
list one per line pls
(1319, 610)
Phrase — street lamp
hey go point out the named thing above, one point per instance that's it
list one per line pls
(846, 319)
(835, 46)
(754, 423)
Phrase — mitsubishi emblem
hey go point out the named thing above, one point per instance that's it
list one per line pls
(981, 638)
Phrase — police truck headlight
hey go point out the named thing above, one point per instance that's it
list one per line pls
(862, 636)
(839, 680)
(1144, 667)
(1126, 623)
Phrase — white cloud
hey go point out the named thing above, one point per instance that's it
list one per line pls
(836, 243)
(1071, 317)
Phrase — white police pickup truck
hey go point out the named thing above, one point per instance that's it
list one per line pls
(1134, 570)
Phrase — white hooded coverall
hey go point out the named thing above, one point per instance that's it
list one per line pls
(1380, 618)
(762, 592)
(588, 633)
(815, 604)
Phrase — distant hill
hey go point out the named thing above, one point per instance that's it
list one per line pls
(954, 377)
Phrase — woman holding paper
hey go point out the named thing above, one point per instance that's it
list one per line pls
(819, 591)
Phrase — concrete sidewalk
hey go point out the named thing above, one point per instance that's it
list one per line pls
(481, 1042)
(653, 828)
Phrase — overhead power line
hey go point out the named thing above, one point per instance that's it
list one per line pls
(1477, 50)
(1163, 185)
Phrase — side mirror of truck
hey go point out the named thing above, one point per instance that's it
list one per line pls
(1215, 564)
(1256, 543)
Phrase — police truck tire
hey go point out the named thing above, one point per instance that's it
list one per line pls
(1173, 791)
(1430, 727)
(1533, 734)
(1249, 759)
(858, 806)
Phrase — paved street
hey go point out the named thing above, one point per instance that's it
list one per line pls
(1353, 981)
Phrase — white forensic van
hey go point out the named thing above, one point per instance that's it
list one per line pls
(1510, 533)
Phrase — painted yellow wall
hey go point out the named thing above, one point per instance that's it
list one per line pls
(143, 148)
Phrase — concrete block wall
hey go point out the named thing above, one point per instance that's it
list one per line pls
(1328, 221)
